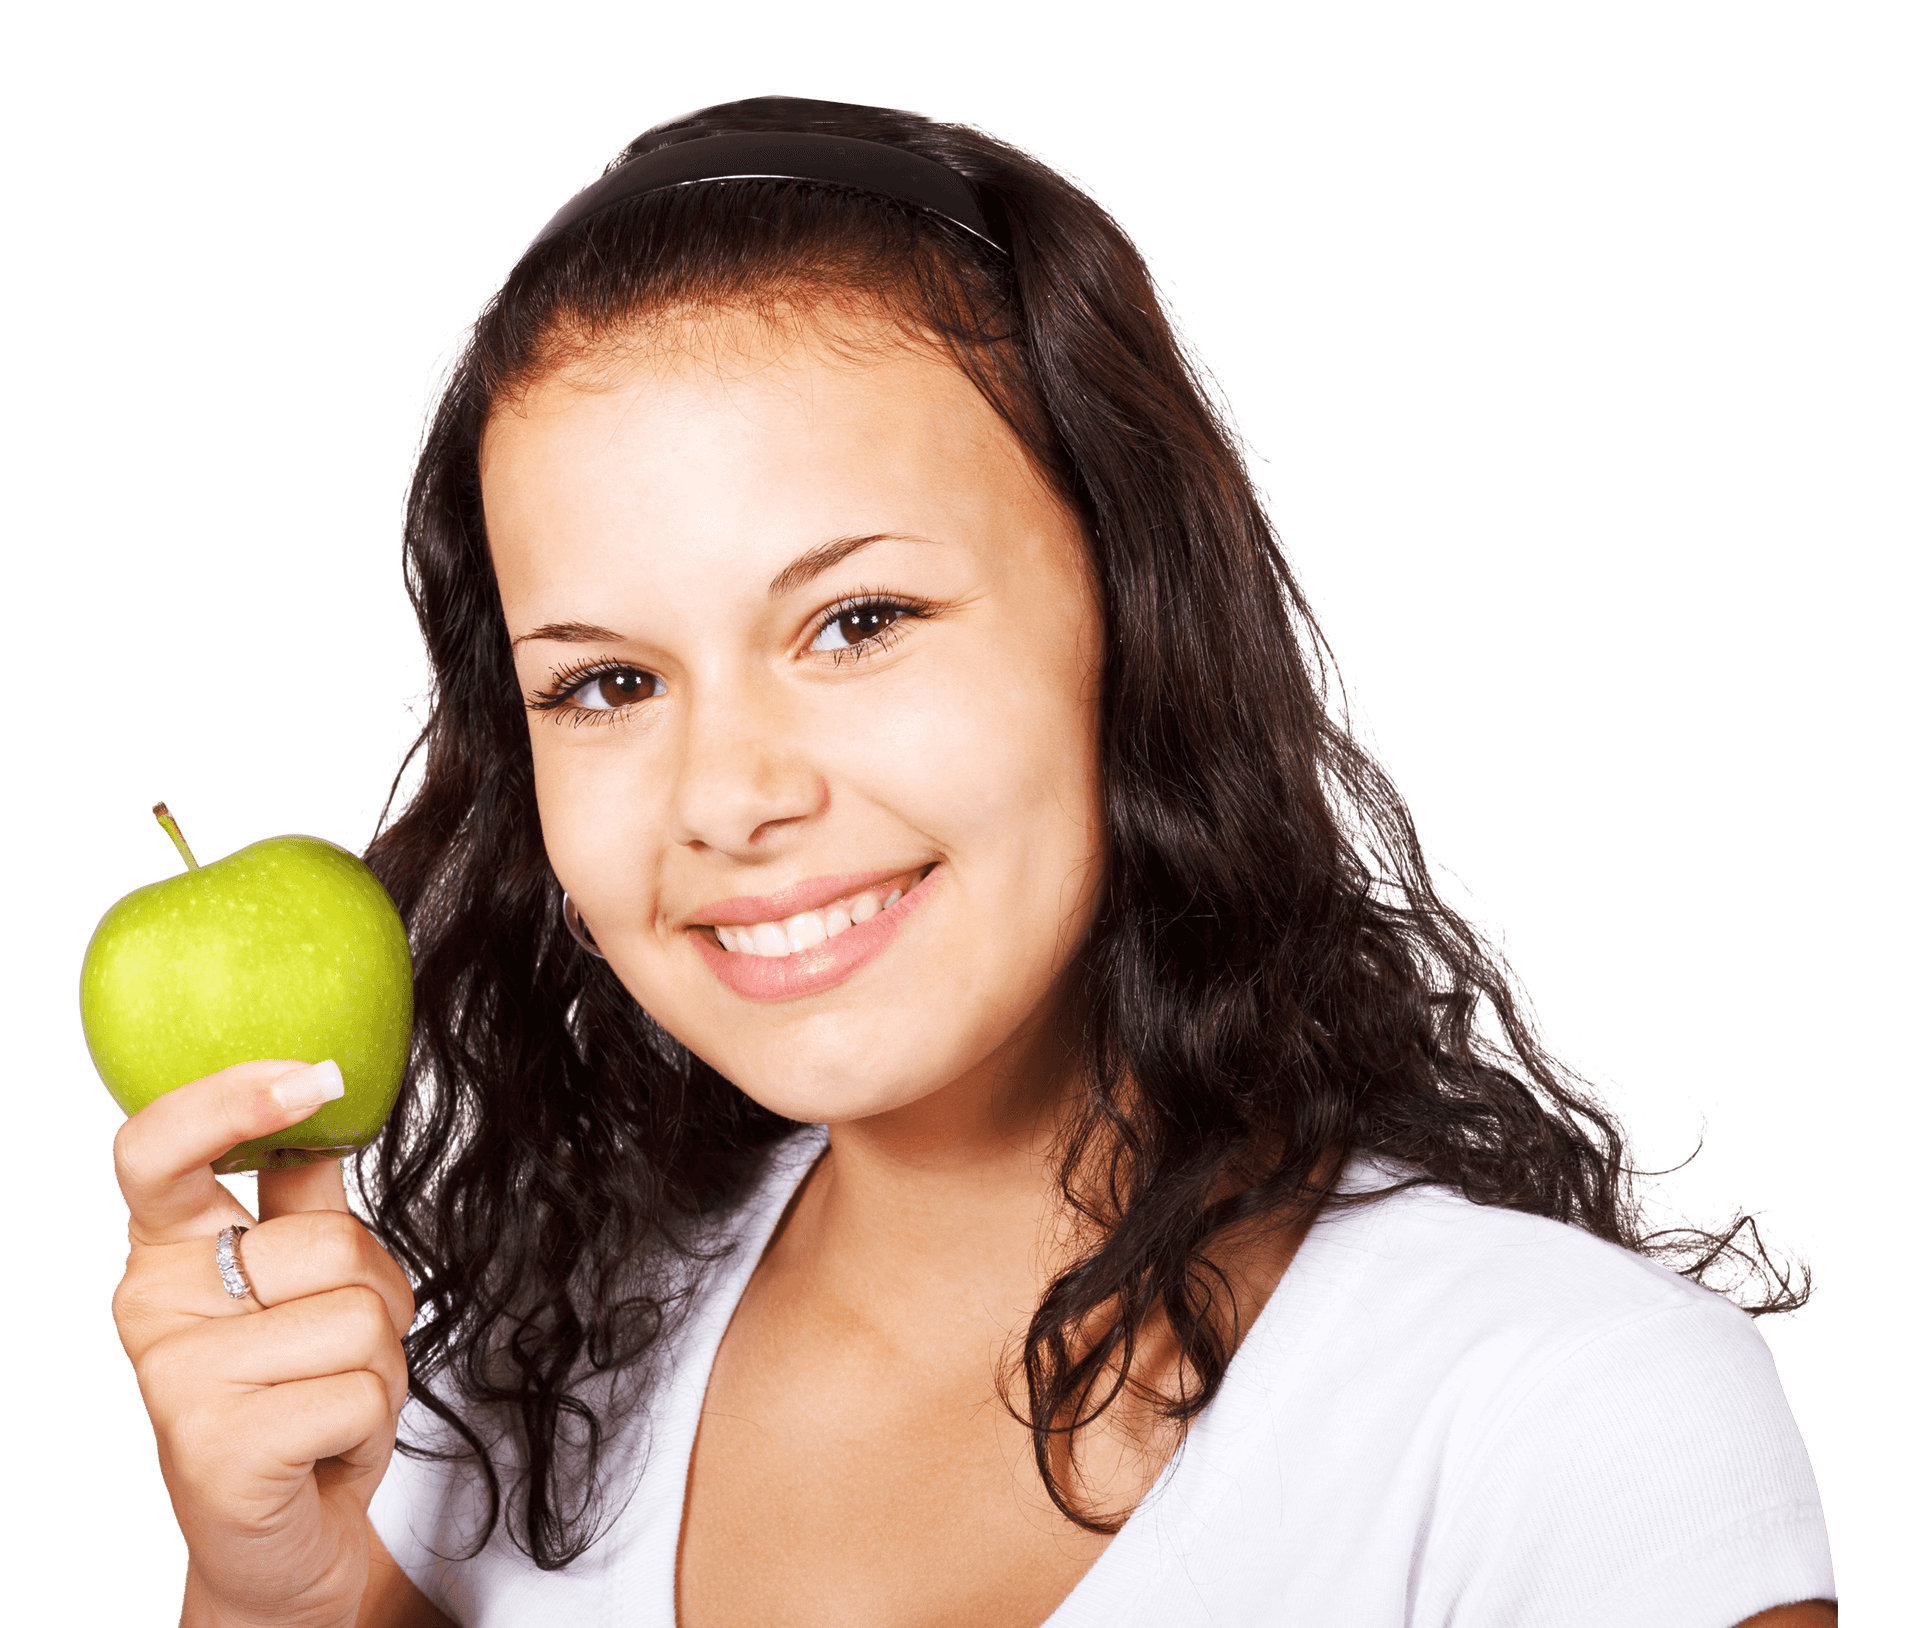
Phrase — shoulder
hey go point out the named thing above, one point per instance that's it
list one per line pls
(1471, 1276)
(1578, 1423)
(1528, 1295)
(1513, 1324)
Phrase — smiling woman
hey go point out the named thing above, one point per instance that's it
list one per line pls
(852, 672)
(943, 1091)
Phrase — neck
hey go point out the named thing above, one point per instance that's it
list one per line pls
(953, 1196)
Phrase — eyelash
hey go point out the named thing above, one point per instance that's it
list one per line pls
(569, 681)
(911, 610)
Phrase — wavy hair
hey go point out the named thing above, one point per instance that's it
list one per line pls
(1271, 982)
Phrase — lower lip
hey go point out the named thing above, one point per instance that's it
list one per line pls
(808, 972)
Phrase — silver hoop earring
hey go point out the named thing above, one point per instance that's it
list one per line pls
(570, 914)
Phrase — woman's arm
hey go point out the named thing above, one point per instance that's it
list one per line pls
(1807, 1614)
(391, 1600)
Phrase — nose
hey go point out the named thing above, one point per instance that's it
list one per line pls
(743, 775)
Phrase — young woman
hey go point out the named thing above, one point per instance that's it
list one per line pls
(943, 1091)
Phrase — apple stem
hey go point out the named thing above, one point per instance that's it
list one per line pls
(172, 827)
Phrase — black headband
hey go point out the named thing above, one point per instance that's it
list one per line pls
(785, 155)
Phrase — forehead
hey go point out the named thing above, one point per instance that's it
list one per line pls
(770, 377)
(737, 424)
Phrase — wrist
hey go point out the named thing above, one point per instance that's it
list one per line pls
(202, 1608)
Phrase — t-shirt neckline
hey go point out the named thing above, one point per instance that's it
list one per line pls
(1104, 1588)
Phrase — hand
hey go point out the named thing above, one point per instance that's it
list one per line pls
(274, 1415)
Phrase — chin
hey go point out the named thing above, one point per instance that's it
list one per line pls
(825, 1092)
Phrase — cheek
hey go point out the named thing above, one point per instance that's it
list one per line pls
(598, 822)
(991, 755)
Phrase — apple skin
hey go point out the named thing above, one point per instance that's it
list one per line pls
(288, 948)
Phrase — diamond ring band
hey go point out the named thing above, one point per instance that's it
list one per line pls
(226, 1256)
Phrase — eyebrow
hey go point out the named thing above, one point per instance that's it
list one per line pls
(803, 570)
(570, 633)
(828, 555)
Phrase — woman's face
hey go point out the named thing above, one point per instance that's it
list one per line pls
(812, 658)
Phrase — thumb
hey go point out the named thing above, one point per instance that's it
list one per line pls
(316, 1186)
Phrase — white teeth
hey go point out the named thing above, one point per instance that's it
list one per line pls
(804, 931)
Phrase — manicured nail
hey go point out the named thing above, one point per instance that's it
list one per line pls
(307, 1088)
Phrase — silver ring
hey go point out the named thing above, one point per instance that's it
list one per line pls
(229, 1263)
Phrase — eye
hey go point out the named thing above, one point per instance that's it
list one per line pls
(609, 691)
(595, 692)
(857, 624)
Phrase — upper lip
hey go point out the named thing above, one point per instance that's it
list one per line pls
(746, 909)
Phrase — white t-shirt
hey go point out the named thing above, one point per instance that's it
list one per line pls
(1445, 1415)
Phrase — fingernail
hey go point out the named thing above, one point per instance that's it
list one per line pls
(307, 1088)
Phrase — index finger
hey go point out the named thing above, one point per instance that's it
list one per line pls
(164, 1154)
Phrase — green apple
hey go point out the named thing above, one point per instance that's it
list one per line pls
(289, 948)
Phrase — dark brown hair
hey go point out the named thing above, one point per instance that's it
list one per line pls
(1271, 983)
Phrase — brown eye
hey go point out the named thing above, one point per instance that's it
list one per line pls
(611, 691)
(856, 625)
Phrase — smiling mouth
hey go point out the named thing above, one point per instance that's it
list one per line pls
(813, 927)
